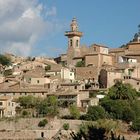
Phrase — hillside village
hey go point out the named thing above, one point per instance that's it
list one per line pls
(81, 76)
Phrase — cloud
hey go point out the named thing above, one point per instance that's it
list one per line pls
(51, 12)
(22, 25)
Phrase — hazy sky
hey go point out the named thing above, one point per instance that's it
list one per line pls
(36, 27)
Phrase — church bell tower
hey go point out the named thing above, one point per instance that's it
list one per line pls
(73, 42)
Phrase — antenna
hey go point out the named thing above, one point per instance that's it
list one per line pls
(139, 29)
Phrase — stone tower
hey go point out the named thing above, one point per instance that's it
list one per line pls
(73, 42)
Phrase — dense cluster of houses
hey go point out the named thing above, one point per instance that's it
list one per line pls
(42, 77)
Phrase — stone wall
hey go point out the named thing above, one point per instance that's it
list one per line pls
(27, 128)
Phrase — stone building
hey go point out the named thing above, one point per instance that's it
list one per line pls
(7, 106)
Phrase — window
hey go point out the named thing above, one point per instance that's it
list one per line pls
(77, 43)
(9, 103)
(75, 87)
(95, 49)
(42, 93)
(25, 93)
(71, 42)
(48, 86)
(37, 81)
(12, 104)
(42, 134)
(137, 83)
(13, 93)
(1, 103)
(129, 71)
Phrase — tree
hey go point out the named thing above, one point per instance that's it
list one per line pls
(136, 124)
(42, 107)
(4, 60)
(119, 109)
(80, 64)
(66, 126)
(128, 114)
(95, 133)
(52, 105)
(8, 72)
(95, 113)
(43, 123)
(28, 101)
(48, 106)
(135, 105)
(74, 112)
(122, 91)
(48, 67)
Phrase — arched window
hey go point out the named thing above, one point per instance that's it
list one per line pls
(71, 42)
(77, 43)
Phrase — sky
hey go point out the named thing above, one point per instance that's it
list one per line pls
(37, 27)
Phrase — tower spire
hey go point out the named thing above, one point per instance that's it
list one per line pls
(74, 25)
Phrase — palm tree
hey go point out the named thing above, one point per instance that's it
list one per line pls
(122, 91)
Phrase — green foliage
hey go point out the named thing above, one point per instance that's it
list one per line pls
(80, 64)
(25, 113)
(138, 93)
(95, 113)
(91, 132)
(42, 108)
(43, 123)
(4, 60)
(128, 114)
(48, 106)
(66, 126)
(135, 105)
(74, 112)
(8, 72)
(48, 67)
(121, 103)
(136, 124)
(28, 101)
(122, 91)
(119, 109)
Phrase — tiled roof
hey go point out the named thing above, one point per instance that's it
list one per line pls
(4, 98)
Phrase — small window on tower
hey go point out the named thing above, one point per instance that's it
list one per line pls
(71, 42)
(77, 43)
(95, 49)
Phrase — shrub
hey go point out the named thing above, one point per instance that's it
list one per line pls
(74, 112)
(68, 117)
(80, 64)
(43, 123)
(128, 114)
(95, 113)
(119, 109)
(66, 126)
(25, 113)
(4, 60)
(48, 67)
(136, 125)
